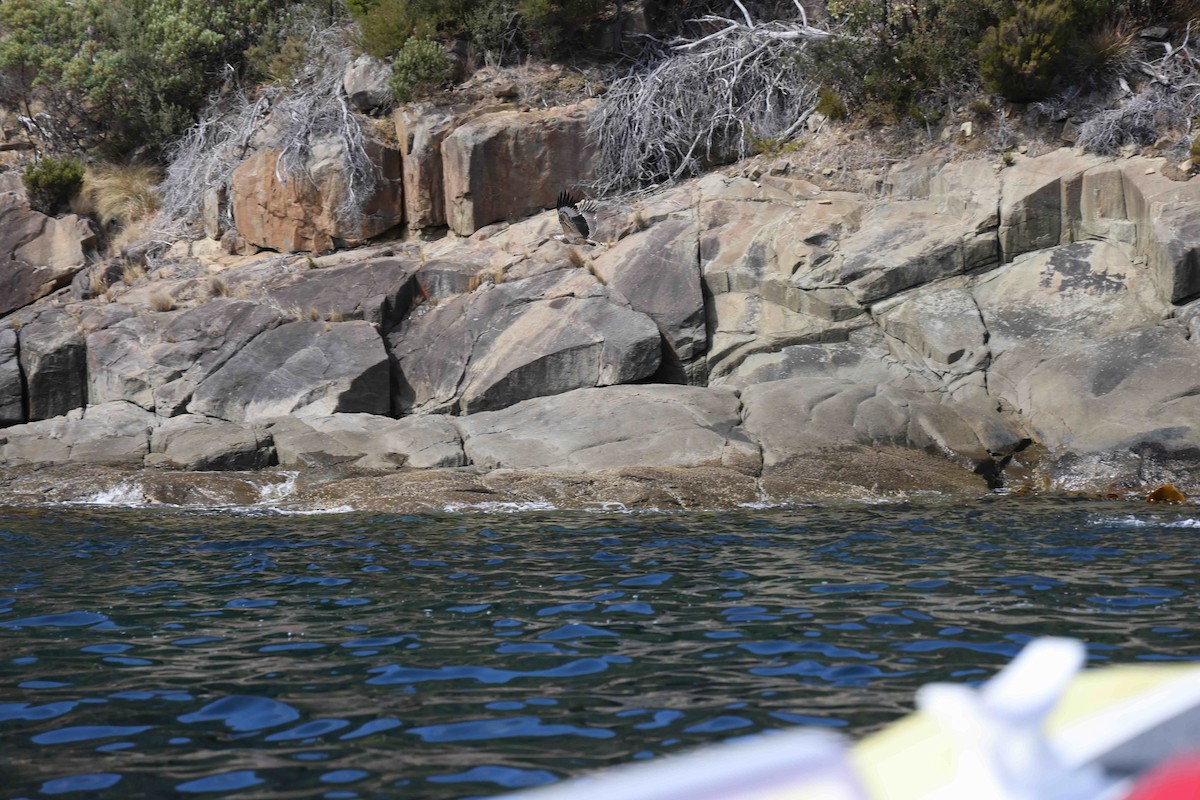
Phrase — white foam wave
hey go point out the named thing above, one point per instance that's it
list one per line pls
(270, 493)
(1131, 521)
(499, 507)
(126, 494)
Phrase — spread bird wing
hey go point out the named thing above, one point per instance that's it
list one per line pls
(574, 223)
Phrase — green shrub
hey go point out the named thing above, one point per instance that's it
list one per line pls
(50, 183)
(123, 74)
(1194, 152)
(829, 103)
(553, 26)
(420, 67)
(385, 25)
(1025, 56)
(899, 52)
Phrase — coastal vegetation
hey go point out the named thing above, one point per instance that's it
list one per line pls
(688, 84)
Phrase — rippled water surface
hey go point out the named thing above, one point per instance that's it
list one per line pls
(160, 653)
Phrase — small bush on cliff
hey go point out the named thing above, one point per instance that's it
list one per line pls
(420, 67)
(896, 54)
(830, 103)
(123, 74)
(1025, 56)
(50, 183)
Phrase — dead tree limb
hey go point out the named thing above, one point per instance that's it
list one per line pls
(705, 101)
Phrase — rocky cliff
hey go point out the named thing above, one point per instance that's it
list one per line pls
(951, 327)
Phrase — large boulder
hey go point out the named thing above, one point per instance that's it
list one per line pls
(367, 441)
(53, 359)
(366, 83)
(302, 368)
(508, 164)
(197, 342)
(307, 210)
(658, 272)
(379, 290)
(1040, 201)
(611, 428)
(112, 433)
(12, 384)
(520, 339)
(38, 254)
(198, 443)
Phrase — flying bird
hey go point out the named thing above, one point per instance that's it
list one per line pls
(577, 220)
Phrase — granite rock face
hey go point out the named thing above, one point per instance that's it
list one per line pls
(12, 387)
(302, 368)
(507, 164)
(303, 212)
(617, 427)
(971, 327)
(367, 441)
(38, 254)
(508, 342)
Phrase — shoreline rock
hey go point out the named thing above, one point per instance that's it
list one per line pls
(737, 342)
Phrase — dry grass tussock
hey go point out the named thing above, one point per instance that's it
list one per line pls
(161, 301)
(121, 195)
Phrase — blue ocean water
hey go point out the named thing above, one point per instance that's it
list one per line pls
(166, 652)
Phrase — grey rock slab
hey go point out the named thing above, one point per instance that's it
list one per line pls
(905, 244)
(378, 290)
(1130, 389)
(800, 417)
(612, 428)
(511, 341)
(112, 433)
(658, 272)
(12, 383)
(303, 368)
(53, 359)
(199, 443)
(1048, 303)
(943, 329)
(846, 360)
(368, 441)
(197, 342)
(558, 345)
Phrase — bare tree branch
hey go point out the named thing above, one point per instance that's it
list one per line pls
(705, 101)
(310, 108)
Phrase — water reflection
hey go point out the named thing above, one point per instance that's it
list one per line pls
(148, 653)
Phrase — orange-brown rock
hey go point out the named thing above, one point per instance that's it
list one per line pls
(301, 212)
(509, 164)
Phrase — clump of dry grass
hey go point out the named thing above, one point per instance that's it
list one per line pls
(98, 282)
(121, 195)
(217, 287)
(132, 272)
(492, 277)
(336, 315)
(576, 258)
(161, 301)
